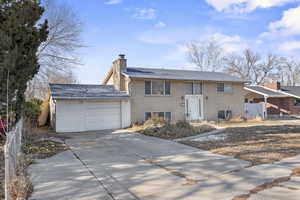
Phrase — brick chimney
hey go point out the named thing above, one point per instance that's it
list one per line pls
(119, 66)
(272, 85)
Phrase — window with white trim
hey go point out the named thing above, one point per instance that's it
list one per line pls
(224, 87)
(193, 88)
(157, 88)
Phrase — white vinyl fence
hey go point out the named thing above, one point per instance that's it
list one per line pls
(253, 110)
(12, 153)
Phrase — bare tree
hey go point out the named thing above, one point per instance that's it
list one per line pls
(64, 39)
(39, 87)
(252, 66)
(206, 55)
(58, 54)
(289, 72)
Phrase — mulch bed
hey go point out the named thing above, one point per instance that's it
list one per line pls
(44, 149)
(175, 131)
(256, 144)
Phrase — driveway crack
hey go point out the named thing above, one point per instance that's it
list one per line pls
(93, 174)
(268, 185)
(189, 181)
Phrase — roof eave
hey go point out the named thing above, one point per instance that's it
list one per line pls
(89, 98)
(182, 79)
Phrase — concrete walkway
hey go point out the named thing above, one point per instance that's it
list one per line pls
(107, 165)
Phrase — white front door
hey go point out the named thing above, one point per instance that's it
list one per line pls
(194, 107)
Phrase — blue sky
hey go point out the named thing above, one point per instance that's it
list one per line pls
(153, 33)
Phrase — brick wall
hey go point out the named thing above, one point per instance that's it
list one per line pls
(275, 106)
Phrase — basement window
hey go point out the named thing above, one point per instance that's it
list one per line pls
(162, 115)
(297, 102)
(221, 114)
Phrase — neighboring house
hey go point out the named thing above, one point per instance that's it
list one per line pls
(279, 100)
(172, 94)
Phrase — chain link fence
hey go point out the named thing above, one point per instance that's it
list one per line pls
(12, 155)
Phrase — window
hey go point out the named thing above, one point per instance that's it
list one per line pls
(222, 87)
(227, 87)
(167, 88)
(297, 102)
(168, 116)
(189, 88)
(148, 87)
(163, 115)
(193, 88)
(197, 88)
(147, 116)
(221, 114)
(157, 87)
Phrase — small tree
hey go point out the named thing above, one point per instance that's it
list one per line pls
(20, 38)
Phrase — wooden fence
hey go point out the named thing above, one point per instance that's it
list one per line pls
(12, 153)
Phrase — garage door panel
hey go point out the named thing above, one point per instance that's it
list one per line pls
(103, 115)
(69, 117)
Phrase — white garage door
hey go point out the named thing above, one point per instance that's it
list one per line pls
(104, 115)
(75, 116)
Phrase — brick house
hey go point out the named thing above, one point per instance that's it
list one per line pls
(279, 100)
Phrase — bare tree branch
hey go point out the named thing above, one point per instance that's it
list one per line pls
(207, 56)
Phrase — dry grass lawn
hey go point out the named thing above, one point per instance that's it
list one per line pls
(256, 144)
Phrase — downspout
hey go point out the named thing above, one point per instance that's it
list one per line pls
(266, 110)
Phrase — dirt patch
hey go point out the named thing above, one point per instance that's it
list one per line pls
(172, 131)
(44, 149)
(256, 144)
(1, 169)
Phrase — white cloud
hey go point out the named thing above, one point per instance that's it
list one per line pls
(230, 43)
(288, 24)
(160, 25)
(246, 5)
(144, 13)
(290, 46)
(113, 2)
(181, 36)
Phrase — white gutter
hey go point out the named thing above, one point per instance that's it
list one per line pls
(251, 90)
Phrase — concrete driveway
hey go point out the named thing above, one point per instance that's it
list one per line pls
(125, 166)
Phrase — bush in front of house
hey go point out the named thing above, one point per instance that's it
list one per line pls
(165, 130)
(32, 110)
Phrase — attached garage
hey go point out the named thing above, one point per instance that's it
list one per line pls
(79, 108)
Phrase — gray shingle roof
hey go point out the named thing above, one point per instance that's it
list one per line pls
(175, 74)
(266, 91)
(78, 91)
(293, 90)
